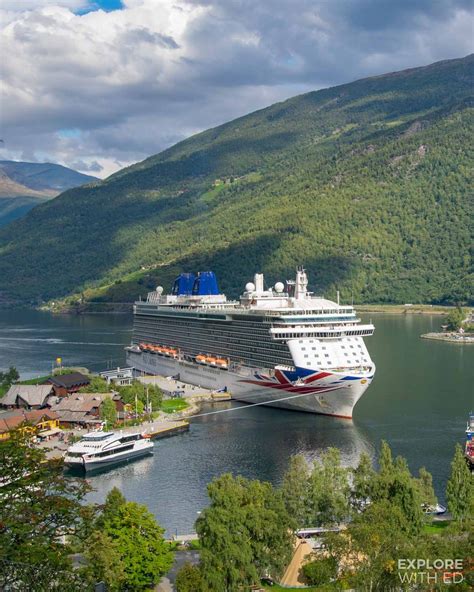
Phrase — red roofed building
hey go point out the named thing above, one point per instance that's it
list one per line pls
(32, 421)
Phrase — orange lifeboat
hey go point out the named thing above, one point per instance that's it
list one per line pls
(211, 361)
(201, 359)
(222, 363)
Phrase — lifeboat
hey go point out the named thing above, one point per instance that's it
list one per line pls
(222, 363)
(211, 361)
(200, 359)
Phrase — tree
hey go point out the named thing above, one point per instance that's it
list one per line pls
(320, 571)
(104, 563)
(425, 485)
(38, 507)
(245, 533)
(363, 479)
(395, 484)
(329, 490)
(108, 412)
(97, 384)
(138, 539)
(140, 391)
(8, 378)
(460, 487)
(455, 318)
(378, 536)
(189, 579)
(295, 489)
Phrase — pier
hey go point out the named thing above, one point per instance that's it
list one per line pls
(160, 429)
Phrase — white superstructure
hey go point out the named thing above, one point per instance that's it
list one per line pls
(281, 345)
(101, 449)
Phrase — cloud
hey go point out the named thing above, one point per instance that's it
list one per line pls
(130, 82)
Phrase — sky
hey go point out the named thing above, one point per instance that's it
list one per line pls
(99, 84)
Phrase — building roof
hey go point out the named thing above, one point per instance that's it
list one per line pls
(82, 402)
(12, 419)
(69, 380)
(32, 394)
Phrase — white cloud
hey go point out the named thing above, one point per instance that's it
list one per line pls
(133, 81)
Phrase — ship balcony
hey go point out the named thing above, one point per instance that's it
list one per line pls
(330, 332)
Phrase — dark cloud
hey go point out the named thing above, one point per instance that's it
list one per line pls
(134, 81)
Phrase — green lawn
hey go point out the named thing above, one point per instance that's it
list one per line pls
(436, 527)
(173, 405)
(37, 380)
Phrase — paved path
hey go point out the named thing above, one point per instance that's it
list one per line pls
(291, 576)
(168, 385)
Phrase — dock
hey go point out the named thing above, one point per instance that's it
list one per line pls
(160, 429)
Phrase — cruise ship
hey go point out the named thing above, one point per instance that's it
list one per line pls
(101, 449)
(280, 346)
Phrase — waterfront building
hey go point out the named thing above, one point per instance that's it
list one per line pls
(28, 396)
(82, 410)
(32, 422)
(65, 384)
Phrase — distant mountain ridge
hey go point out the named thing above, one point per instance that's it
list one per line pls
(23, 185)
(368, 184)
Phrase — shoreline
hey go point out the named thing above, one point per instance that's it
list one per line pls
(449, 337)
(127, 308)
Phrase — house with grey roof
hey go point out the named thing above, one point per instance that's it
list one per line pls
(83, 409)
(28, 396)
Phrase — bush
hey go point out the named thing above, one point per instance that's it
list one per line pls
(188, 579)
(321, 571)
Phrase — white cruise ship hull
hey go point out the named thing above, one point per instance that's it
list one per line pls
(107, 461)
(313, 391)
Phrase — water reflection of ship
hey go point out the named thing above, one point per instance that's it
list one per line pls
(290, 434)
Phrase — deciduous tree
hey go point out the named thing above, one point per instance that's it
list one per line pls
(460, 487)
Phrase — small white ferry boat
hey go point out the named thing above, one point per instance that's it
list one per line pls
(102, 449)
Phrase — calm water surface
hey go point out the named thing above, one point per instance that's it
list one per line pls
(418, 402)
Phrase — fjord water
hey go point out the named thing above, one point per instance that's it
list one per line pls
(418, 402)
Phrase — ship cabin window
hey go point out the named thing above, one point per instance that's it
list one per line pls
(306, 355)
(301, 341)
(343, 347)
(303, 349)
(326, 355)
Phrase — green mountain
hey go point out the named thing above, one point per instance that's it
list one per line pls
(368, 184)
(24, 185)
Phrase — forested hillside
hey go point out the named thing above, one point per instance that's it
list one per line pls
(368, 184)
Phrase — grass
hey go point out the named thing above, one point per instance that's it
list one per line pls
(37, 380)
(436, 527)
(173, 405)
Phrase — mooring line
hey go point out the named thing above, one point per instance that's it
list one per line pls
(246, 406)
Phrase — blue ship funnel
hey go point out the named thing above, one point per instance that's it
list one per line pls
(205, 284)
(183, 284)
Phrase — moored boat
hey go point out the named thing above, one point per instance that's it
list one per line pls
(279, 346)
(102, 449)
